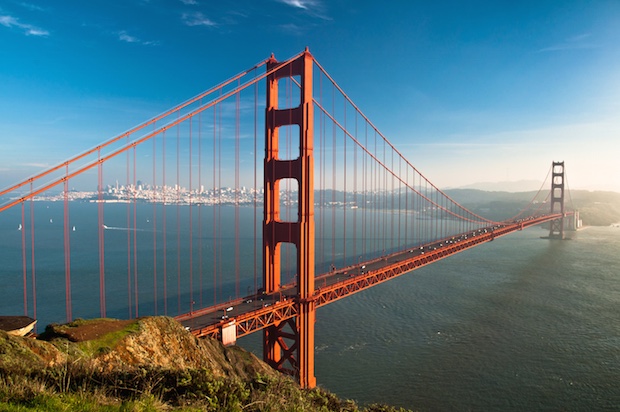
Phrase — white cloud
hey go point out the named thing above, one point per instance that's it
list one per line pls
(301, 4)
(197, 19)
(576, 42)
(29, 30)
(123, 36)
(579, 37)
(314, 8)
(30, 6)
(189, 2)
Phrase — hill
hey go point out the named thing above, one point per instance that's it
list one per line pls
(149, 364)
(596, 208)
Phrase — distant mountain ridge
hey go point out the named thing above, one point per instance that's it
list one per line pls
(505, 186)
(596, 208)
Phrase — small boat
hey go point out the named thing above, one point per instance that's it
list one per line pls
(19, 227)
(73, 228)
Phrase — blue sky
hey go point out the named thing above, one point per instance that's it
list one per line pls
(468, 91)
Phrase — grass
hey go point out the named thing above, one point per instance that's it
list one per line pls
(153, 389)
(108, 341)
(85, 403)
(105, 343)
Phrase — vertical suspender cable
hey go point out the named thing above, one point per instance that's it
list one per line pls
(344, 178)
(426, 214)
(400, 173)
(255, 187)
(200, 206)
(384, 190)
(191, 222)
(437, 210)
(420, 209)
(24, 265)
(440, 212)
(135, 239)
(435, 214)
(322, 126)
(237, 189)
(380, 227)
(163, 221)
(219, 203)
(365, 191)
(392, 192)
(375, 200)
(355, 194)
(154, 190)
(102, 307)
(67, 248)
(334, 173)
(215, 239)
(128, 225)
(414, 233)
(178, 211)
(444, 219)
(32, 260)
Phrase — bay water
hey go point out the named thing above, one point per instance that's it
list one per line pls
(521, 323)
(518, 324)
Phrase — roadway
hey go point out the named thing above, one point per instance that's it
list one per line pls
(255, 312)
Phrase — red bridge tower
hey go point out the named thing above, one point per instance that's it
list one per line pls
(557, 200)
(290, 341)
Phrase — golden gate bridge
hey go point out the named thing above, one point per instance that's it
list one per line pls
(180, 216)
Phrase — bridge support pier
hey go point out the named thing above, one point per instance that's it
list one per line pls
(556, 230)
(297, 346)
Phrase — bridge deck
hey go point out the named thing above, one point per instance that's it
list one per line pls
(256, 312)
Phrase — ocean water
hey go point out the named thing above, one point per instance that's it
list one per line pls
(518, 324)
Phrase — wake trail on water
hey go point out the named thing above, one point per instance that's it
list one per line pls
(123, 228)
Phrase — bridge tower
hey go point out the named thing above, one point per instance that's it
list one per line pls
(557, 200)
(290, 341)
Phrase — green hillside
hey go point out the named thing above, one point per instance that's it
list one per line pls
(149, 364)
